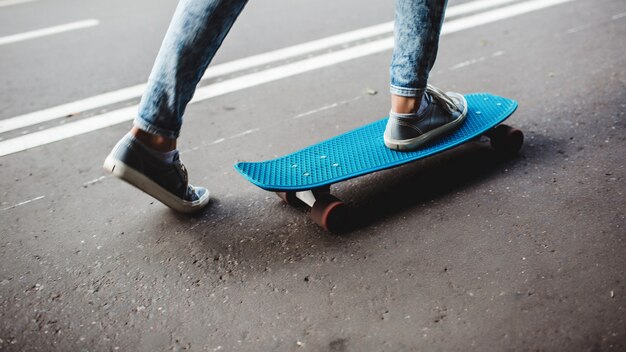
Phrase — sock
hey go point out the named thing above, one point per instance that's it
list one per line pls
(165, 157)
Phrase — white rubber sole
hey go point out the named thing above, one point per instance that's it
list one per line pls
(407, 145)
(137, 179)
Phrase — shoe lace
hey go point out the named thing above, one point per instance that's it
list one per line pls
(182, 170)
(446, 102)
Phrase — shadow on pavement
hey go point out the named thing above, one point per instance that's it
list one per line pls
(252, 234)
(396, 190)
(379, 195)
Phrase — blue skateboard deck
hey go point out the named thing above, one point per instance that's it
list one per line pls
(362, 151)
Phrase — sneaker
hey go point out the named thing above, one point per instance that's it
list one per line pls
(444, 113)
(134, 163)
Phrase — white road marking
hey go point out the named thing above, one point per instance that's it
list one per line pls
(218, 141)
(228, 68)
(291, 69)
(618, 16)
(254, 130)
(213, 71)
(244, 133)
(474, 6)
(578, 29)
(500, 14)
(467, 63)
(48, 31)
(94, 181)
(58, 133)
(474, 61)
(72, 108)
(254, 79)
(23, 203)
(587, 26)
(14, 2)
(326, 107)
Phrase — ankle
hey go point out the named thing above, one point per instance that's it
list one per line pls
(405, 105)
(408, 105)
(156, 142)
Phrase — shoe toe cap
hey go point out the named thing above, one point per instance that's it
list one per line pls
(198, 195)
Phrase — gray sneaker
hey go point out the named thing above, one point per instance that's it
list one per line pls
(444, 113)
(134, 163)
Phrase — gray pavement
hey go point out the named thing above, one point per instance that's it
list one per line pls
(463, 251)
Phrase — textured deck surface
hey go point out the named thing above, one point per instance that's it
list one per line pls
(362, 151)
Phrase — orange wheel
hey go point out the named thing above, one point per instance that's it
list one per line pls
(330, 213)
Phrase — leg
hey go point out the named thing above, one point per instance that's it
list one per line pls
(147, 157)
(193, 37)
(419, 112)
(416, 41)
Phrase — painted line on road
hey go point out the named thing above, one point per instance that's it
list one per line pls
(23, 203)
(618, 16)
(14, 2)
(254, 79)
(579, 28)
(326, 107)
(58, 133)
(220, 140)
(48, 31)
(136, 91)
(475, 61)
(328, 42)
(245, 133)
(475, 6)
(255, 130)
(588, 26)
(94, 181)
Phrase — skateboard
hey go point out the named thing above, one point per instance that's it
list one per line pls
(303, 178)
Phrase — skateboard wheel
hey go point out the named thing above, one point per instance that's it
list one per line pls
(506, 139)
(289, 198)
(330, 213)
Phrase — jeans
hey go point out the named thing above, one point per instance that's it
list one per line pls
(199, 27)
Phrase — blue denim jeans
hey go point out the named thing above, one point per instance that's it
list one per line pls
(199, 27)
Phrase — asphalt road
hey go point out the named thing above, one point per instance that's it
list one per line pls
(463, 251)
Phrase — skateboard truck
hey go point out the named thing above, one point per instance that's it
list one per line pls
(307, 197)
(505, 139)
(326, 210)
